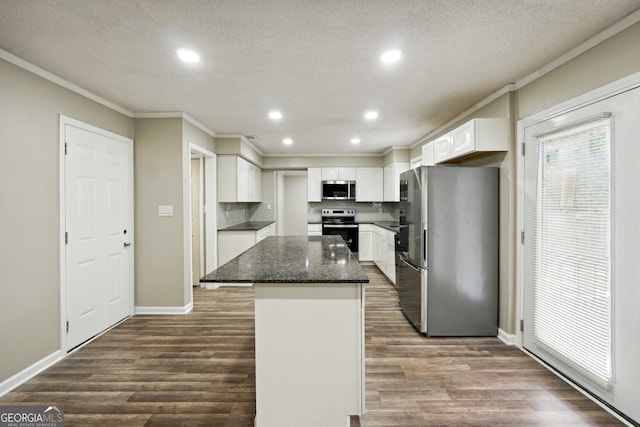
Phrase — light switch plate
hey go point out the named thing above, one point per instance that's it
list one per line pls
(165, 210)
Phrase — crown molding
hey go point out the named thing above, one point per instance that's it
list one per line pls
(175, 115)
(53, 78)
(603, 35)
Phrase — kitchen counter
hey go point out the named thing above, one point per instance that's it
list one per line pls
(309, 328)
(292, 259)
(247, 226)
(389, 225)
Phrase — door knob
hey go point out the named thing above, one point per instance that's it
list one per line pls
(127, 244)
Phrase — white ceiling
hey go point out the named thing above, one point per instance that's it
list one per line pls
(317, 61)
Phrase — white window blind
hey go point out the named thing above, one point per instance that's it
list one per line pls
(572, 271)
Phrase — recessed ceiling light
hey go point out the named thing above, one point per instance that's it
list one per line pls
(355, 140)
(275, 115)
(188, 55)
(371, 115)
(287, 141)
(391, 56)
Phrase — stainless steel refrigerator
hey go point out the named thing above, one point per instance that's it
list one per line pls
(447, 250)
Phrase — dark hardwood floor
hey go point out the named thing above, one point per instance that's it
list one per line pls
(198, 370)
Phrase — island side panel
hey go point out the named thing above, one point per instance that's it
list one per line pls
(309, 353)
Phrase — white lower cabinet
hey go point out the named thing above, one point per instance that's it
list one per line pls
(384, 252)
(232, 243)
(365, 242)
(314, 229)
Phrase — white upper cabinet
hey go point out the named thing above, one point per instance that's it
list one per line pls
(427, 154)
(314, 185)
(392, 180)
(338, 174)
(441, 149)
(477, 136)
(238, 180)
(369, 184)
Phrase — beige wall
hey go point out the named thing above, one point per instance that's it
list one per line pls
(159, 241)
(30, 214)
(190, 135)
(611, 60)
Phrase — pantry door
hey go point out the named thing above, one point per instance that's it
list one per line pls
(99, 231)
(581, 271)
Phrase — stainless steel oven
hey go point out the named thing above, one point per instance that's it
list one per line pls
(341, 222)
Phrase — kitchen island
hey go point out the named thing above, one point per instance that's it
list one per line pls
(309, 328)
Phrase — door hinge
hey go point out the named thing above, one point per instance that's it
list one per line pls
(523, 149)
(67, 326)
(65, 148)
(522, 237)
(521, 325)
(66, 237)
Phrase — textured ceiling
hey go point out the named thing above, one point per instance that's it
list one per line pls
(316, 61)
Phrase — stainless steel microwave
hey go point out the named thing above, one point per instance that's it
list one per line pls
(338, 190)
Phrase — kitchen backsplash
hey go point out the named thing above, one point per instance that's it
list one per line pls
(365, 212)
(236, 213)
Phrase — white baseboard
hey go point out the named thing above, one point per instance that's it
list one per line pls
(30, 372)
(506, 338)
(163, 310)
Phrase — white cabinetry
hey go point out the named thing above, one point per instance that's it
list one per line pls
(232, 243)
(338, 174)
(477, 136)
(384, 255)
(263, 233)
(427, 154)
(392, 180)
(314, 229)
(314, 185)
(369, 184)
(365, 242)
(238, 180)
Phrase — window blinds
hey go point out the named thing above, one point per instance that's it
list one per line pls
(572, 248)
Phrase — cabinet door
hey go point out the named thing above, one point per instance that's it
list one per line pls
(389, 182)
(314, 185)
(427, 154)
(392, 180)
(257, 184)
(463, 139)
(365, 246)
(369, 184)
(314, 229)
(442, 148)
(330, 174)
(243, 179)
(347, 174)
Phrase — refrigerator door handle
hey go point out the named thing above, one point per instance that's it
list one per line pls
(424, 245)
(411, 266)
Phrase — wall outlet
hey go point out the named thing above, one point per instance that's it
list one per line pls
(226, 214)
(313, 210)
(379, 210)
(268, 206)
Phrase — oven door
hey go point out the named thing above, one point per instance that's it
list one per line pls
(349, 233)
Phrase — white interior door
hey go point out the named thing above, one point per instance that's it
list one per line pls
(99, 228)
(581, 270)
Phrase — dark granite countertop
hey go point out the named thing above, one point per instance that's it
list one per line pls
(293, 259)
(247, 226)
(389, 225)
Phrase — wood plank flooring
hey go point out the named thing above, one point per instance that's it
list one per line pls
(198, 370)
